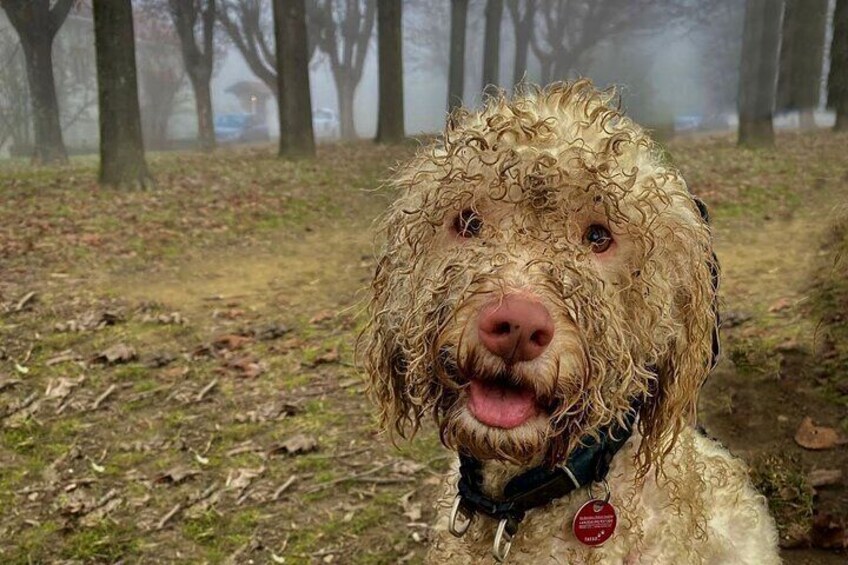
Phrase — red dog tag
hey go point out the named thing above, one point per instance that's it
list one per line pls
(594, 523)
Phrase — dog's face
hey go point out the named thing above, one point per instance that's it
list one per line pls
(543, 268)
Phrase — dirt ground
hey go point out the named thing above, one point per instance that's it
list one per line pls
(177, 380)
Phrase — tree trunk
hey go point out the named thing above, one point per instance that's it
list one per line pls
(802, 58)
(837, 89)
(492, 45)
(203, 107)
(456, 74)
(121, 146)
(294, 100)
(390, 126)
(345, 93)
(758, 72)
(49, 146)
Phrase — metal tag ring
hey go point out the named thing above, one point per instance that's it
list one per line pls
(607, 490)
(456, 510)
(502, 544)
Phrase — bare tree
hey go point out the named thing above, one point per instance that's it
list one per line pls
(122, 160)
(492, 44)
(390, 126)
(523, 14)
(37, 22)
(15, 111)
(456, 74)
(758, 71)
(802, 58)
(837, 84)
(568, 30)
(194, 21)
(346, 28)
(250, 26)
(295, 104)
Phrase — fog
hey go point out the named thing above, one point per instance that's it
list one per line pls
(680, 71)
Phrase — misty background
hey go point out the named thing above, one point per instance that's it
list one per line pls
(675, 72)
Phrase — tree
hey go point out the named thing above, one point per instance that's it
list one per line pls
(837, 89)
(758, 71)
(523, 14)
(802, 58)
(390, 127)
(492, 44)
(37, 22)
(568, 30)
(122, 160)
(249, 24)
(194, 21)
(456, 73)
(346, 27)
(161, 71)
(294, 101)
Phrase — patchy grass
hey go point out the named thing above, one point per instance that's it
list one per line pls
(236, 242)
(784, 483)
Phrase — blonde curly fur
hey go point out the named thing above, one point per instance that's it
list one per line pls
(537, 169)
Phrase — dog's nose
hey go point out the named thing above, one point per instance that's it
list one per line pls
(515, 328)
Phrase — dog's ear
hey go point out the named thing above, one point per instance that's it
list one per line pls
(694, 349)
(381, 355)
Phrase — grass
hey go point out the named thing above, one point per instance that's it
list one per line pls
(232, 241)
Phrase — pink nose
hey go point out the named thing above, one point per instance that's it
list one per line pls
(515, 328)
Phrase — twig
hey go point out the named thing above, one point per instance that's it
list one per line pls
(355, 476)
(167, 517)
(22, 303)
(283, 487)
(206, 390)
(102, 398)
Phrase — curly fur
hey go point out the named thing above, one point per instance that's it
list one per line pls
(538, 169)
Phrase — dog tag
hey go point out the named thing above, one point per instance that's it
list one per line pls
(594, 523)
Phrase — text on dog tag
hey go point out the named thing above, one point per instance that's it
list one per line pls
(594, 523)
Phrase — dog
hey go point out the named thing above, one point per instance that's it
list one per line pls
(546, 292)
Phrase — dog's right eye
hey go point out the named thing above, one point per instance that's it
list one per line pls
(467, 223)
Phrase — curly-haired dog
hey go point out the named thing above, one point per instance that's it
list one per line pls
(547, 293)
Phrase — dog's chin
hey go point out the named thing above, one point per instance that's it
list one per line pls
(522, 443)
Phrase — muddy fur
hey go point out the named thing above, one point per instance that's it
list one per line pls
(534, 171)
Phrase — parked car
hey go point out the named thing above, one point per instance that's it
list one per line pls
(325, 123)
(240, 128)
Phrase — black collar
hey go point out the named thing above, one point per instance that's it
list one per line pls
(541, 485)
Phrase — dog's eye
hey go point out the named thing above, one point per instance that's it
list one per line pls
(598, 238)
(467, 223)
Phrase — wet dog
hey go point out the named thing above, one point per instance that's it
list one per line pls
(547, 292)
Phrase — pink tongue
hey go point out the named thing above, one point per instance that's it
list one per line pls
(499, 406)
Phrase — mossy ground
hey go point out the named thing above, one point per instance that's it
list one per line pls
(240, 242)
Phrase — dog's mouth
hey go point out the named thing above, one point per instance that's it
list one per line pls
(500, 403)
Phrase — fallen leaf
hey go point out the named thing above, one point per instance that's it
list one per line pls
(331, 356)
(824, 477)
(780, 305)
(59, 389)
(270, 331)
(242, 478)
(322, 316)
(117, 354)
(176, 475)
(231, 342)
(248, 367)
(810, 436)
(296, 445)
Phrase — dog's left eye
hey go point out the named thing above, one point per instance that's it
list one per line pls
(467, 223)
(598, 238)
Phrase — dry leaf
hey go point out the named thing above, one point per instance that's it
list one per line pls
(322, 316)
(829, 532)
(780, 305)
(231, 342)
(176, 475)
(810, 436)
(120, 353)
(824, 477)
(296, 445)
(331, 356)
